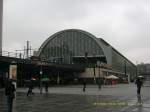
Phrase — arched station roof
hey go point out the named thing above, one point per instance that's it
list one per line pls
(87, 34)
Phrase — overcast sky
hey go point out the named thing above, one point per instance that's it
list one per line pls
(125, 24)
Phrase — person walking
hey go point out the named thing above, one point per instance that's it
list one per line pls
(99, 84)
(46, 87)
(84, 85)
(10, 95)
(30, 88)
(139, 83)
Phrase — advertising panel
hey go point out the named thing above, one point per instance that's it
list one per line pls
(13, 72)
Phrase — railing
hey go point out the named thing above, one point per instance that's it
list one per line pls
(13, 54)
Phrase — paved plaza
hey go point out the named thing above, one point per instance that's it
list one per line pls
(116, 98)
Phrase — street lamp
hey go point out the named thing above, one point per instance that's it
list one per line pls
(99, 82)
(99, 64)
(41, 72)
(94, 66)
(94, 75)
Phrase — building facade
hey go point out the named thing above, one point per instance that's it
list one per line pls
(1, 25)
(75, 46)
(143, 69)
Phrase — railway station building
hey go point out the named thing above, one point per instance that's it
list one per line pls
(100, 59)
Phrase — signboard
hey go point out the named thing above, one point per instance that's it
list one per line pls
(13, 72)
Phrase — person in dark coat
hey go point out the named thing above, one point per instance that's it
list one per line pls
(30, 88)
(139, 83)
(10, 95)
(46, 87)
(84, 85)
(99, 84)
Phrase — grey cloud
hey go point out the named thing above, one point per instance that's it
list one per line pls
(124, 24)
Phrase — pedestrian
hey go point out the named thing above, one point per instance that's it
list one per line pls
(30, 88)
(99, 84)
(84, 85)
(10, 95)
(139, 83)
(46, 87)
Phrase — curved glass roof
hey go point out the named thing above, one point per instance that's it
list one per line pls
(70, 43)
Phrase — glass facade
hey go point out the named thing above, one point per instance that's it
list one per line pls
(69, 45)
(121, 64)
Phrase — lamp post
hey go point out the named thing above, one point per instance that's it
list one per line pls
(94, 66)
(41, 73)
(98, 64)
(94, 76)
(86, 60)
(99, 72)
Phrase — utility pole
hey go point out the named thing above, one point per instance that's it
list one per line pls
(94, 67)
(99, 71)
(94, 75)
(27, 50)
(30, 51)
